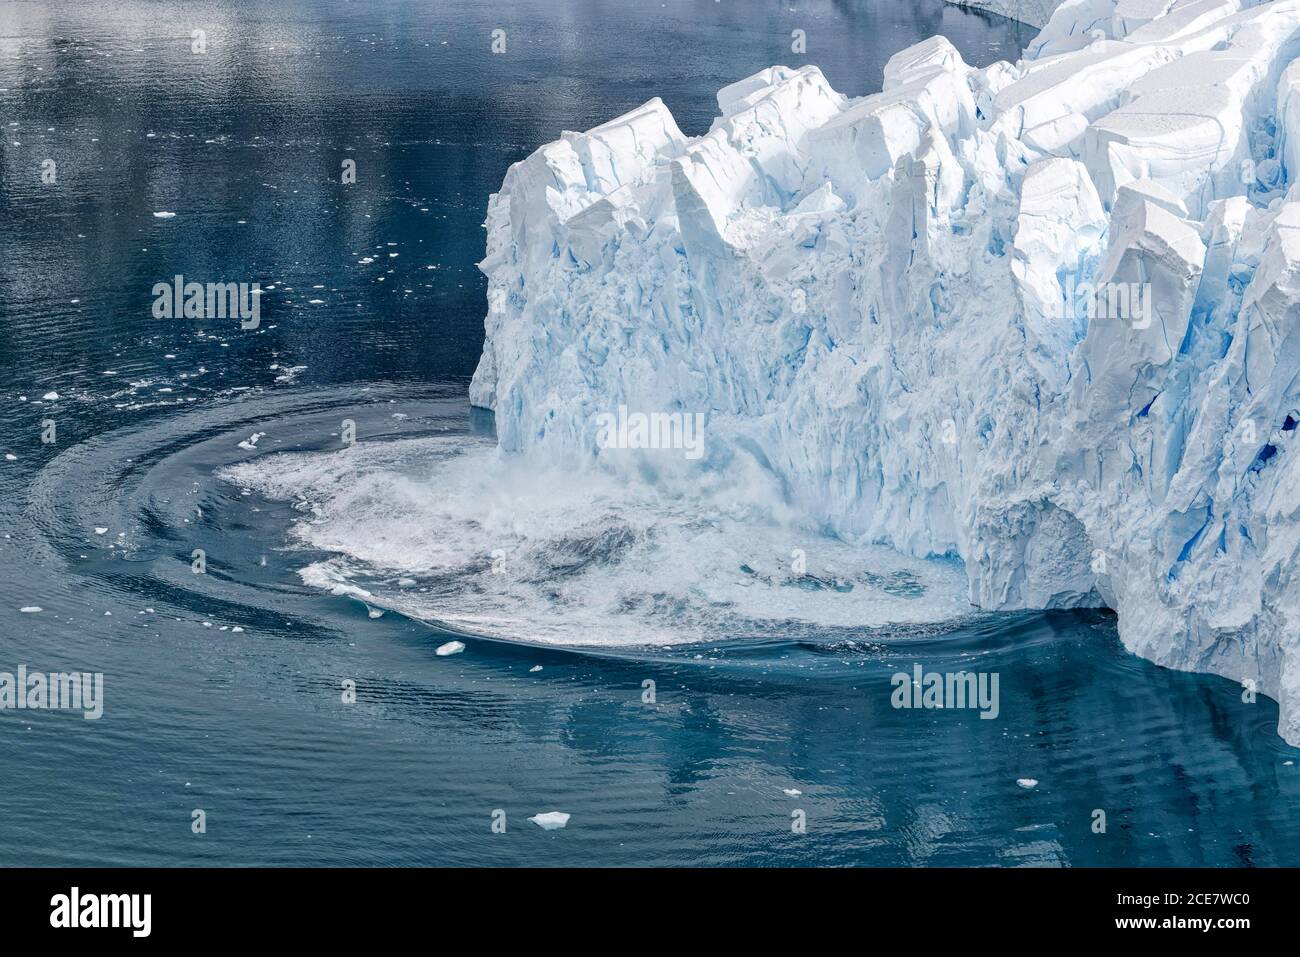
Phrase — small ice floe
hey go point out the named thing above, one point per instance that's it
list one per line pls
(50, 396)
(450, 648)
(315, 302)
(1027, 782)
(236, 630)
(405, 582)
(31, 609)
(374, 612)
(10, 457)
(343, 588)
(534, 668)
(164, 214)
(250, 443)
(791, 792)
(101, 530)
(550, 820)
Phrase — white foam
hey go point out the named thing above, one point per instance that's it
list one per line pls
(446, 529)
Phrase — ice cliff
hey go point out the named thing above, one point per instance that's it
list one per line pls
(914, 310)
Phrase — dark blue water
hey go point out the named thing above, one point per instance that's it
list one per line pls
(244, 144)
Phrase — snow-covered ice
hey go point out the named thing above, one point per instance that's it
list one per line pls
(912, 310)
(450, 648)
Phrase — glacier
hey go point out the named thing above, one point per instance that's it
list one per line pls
(903, 309)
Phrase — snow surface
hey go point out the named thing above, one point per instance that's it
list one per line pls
(868, 300)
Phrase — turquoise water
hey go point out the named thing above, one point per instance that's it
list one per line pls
(771, 689)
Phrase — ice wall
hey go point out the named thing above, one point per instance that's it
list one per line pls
(1040, 316)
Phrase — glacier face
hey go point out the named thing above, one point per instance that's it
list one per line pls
(913, 310)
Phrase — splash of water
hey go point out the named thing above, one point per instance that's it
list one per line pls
(447, 529)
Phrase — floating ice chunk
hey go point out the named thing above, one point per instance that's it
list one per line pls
(550, 820)
(50, 396)
(341, 589)
(450, 648)
(164, 214)
(31, 609)
(791, 792)
(250, 443)
(535, 668)
(1027, 782)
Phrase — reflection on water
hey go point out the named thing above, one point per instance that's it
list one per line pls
(251, 726)
(245, 144)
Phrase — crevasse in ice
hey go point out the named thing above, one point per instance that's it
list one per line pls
(1039, 316)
